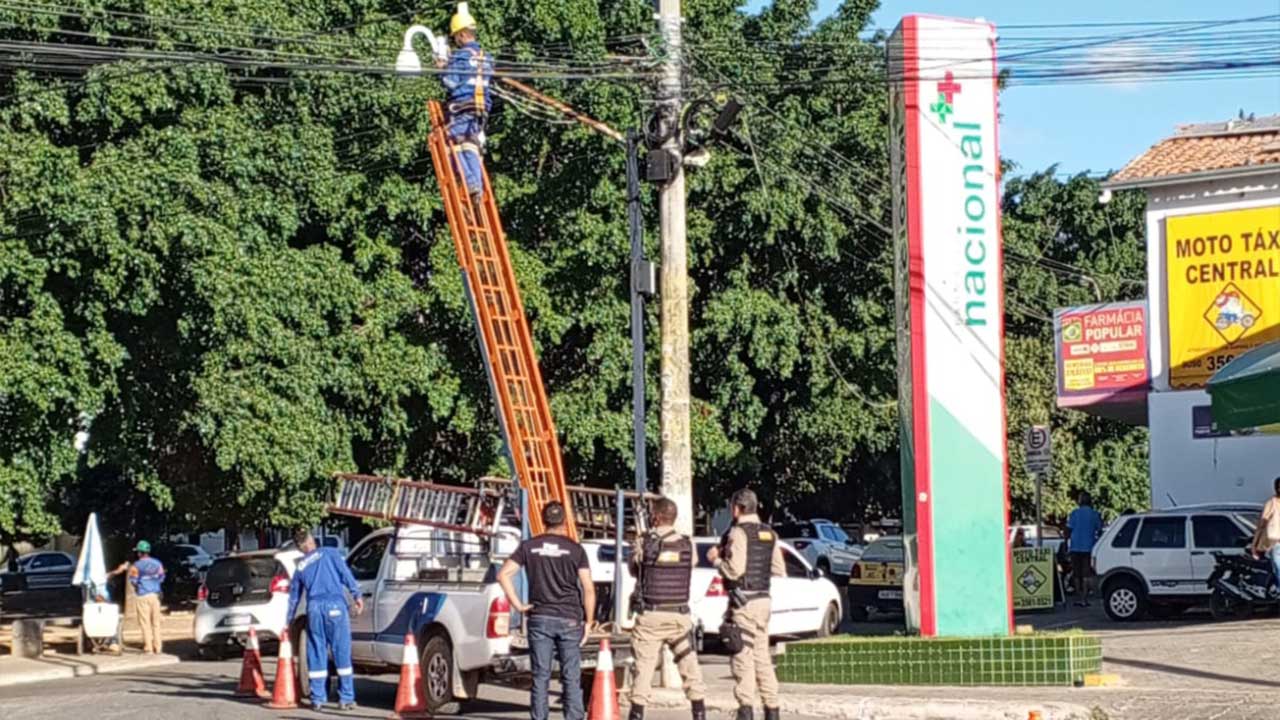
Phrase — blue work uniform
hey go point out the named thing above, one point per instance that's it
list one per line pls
(149, 578)
(322, 575)
(468, 101)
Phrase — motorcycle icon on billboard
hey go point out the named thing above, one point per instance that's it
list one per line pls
(1231, 311)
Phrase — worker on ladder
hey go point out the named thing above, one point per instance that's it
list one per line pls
(468, 72)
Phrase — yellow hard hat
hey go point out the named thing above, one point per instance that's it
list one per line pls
(462, 20)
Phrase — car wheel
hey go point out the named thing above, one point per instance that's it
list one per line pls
(298, 639)
(1225, 607)
(1125, 600)
(437, 675)
(830, 622)
(211, 652)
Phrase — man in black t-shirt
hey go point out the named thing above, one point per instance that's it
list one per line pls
(560, 612)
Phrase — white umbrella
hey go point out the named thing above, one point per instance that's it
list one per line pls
(91, 568)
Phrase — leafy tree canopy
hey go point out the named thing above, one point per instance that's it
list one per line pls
(236, 278)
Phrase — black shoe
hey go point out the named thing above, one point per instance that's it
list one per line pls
(637, 712)
(745, 713)
(771, 713)
(699, 710)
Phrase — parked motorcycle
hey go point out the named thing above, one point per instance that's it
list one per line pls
(1240, 584)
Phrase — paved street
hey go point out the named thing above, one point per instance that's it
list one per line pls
(1188, 669)
(204, 690)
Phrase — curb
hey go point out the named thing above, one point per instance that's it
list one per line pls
(63, 667)
(853, 707)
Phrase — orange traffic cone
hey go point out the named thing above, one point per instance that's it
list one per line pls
(604, 691)
(1034, 715)
(411, 702)
(285, 692)
(252, 683)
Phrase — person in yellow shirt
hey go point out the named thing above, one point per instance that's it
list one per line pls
(1266, 537)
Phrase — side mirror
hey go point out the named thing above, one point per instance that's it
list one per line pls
(815, 573)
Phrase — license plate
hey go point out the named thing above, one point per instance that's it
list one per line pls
(889, 594)
(238, 620)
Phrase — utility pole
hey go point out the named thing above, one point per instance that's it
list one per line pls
(677, 461)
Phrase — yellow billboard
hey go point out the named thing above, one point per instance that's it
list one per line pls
(1223, 279)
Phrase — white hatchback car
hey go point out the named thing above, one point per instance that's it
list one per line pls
(241, 591)
(804, 601)
(1160, 561)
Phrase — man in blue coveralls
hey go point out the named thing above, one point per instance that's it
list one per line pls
(466, 78)
(322, 575)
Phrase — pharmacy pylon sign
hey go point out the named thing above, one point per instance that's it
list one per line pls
(950, 326)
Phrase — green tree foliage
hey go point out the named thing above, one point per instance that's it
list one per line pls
(1064, 248)
(238, 280)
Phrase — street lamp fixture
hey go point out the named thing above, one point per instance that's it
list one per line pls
(407, 62)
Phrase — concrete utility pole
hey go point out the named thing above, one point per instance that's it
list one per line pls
(677, 452)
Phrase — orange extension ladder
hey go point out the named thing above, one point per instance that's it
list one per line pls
(505, 341)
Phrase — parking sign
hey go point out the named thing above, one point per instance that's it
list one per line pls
(1039, 450)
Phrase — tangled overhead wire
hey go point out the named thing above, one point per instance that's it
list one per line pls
(1205, 50)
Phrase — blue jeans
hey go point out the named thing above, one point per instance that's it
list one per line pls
(328, 626)
(548, 634)
(1274, 555)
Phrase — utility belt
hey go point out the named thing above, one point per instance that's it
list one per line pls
(739, 598)
(467, 107)
(644, 607)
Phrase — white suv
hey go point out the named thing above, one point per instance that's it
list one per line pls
(1160, 561)
(824, 544)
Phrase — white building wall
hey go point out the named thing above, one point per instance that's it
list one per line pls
(1185, 469)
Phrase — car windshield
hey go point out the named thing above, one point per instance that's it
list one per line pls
(839, 534)
(703, 549)
(254, 573)
(1249, 520)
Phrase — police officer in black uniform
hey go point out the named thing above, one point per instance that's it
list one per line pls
(663, 560)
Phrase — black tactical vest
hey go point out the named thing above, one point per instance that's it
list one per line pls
(667, 570)
(759, 572)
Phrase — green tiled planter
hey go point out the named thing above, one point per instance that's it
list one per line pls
(1042, 659)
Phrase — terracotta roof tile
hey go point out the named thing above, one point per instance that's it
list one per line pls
(1206, 147)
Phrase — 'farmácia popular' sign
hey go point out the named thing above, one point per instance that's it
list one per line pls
(1101, 349)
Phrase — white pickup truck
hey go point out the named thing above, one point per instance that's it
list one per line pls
(442, 588)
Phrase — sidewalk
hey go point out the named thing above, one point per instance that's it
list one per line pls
(845, 702)
(60, 660)
(59, 666)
